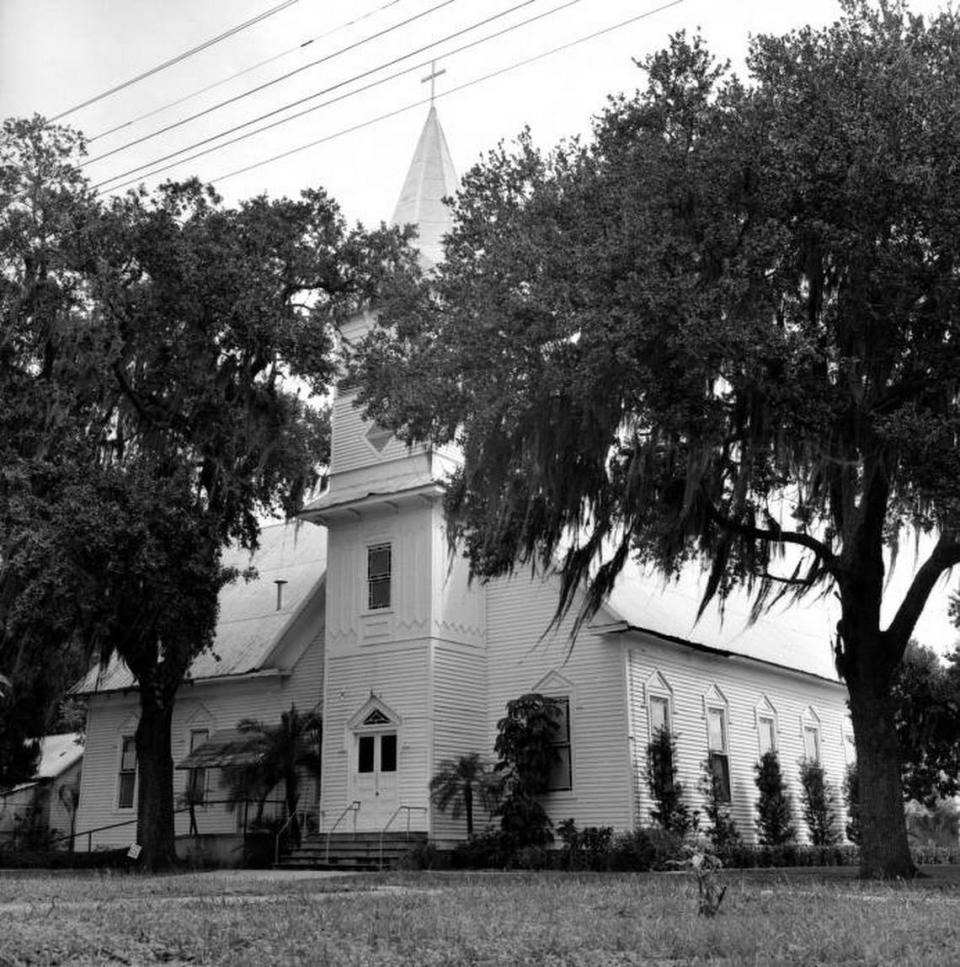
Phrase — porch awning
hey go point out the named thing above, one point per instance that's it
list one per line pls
(228, 747)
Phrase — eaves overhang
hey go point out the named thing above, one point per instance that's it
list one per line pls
(328, 508)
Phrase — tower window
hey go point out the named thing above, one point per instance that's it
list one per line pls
(379, 574)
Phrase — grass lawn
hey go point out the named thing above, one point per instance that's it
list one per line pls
(431, 918)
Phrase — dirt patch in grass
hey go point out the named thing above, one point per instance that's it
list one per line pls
(432, 919)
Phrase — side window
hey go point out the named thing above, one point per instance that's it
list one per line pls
(658, 708)
(810, 725)
(127, 776)
(767, 729)
(561, 774)
(717, 753)
(379, 574)
(197, 778)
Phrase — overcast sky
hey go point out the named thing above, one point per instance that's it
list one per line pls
(56, 54)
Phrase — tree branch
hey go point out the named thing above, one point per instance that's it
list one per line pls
(775, 535)
(944, 556)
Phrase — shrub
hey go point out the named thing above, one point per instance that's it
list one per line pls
(774, 811)
(672, 812)
(645, 848)
(586, 849)
(819, 804)
(486, 850)
(851, 799)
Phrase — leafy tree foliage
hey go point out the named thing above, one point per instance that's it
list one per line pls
(525, 744)
(284, 754)
(774, 809)
(161, 337)
(926, 696)
(724, 329)
(851, 799)
(818, 804)
(460, 782)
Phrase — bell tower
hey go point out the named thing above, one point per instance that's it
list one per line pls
(405, 642)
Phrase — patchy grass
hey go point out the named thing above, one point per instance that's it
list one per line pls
(425, 919)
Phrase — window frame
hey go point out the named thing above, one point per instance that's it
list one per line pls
(664, 701)
(199, 775)
(563, 748)
(127, 777)
(380, 579)
(718, 759)
(766, 717)
(810, 725)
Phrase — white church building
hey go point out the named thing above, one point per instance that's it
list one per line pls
(360, 613)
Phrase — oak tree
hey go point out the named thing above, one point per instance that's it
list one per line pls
(725, 328)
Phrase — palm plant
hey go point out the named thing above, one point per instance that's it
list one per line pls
(285, 751)
(462, 781)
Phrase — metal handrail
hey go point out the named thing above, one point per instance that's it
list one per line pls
(352, 807)
(276, 840)
(129, 822)
(396, 812)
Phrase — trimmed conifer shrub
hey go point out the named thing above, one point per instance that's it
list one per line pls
(672, 812)
(819, 804)
(774, 809)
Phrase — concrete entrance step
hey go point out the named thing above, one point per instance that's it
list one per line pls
(348, 851)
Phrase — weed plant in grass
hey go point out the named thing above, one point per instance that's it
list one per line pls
(491, 919)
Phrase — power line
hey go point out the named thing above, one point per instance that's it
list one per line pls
(452, 90)
(179, 57)
(266, 84)
(335, 100)
(246, 70)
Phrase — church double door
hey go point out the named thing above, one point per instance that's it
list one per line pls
(375, 778)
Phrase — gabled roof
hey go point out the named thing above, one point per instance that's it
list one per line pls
(797, 636)
(430, 178)
(251, 627)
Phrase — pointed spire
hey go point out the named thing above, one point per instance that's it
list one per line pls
(430, 179)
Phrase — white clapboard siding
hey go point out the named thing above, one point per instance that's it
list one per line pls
(398, 675)
(591, 673)
(747, 686)
(460, 726)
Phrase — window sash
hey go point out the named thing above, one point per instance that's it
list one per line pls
(719, 763)
(379, 573)
(811, 742)
(127, 774)
(768, 734)
(561, 770)
(197, 778)
(716, 730)
(659, 711)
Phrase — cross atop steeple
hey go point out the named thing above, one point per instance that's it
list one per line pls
(432, 76)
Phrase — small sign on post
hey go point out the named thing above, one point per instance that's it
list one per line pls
(134, 851)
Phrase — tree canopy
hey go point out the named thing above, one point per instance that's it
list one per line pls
(723, 329)
(159, 354)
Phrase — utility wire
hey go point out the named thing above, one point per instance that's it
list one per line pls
(420, 103)
(246, 70)
(452, 90)
(383, 80)
(266, 84)
(179, 57)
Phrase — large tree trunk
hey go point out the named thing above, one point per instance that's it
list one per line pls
(155, 829)
(884, 851)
